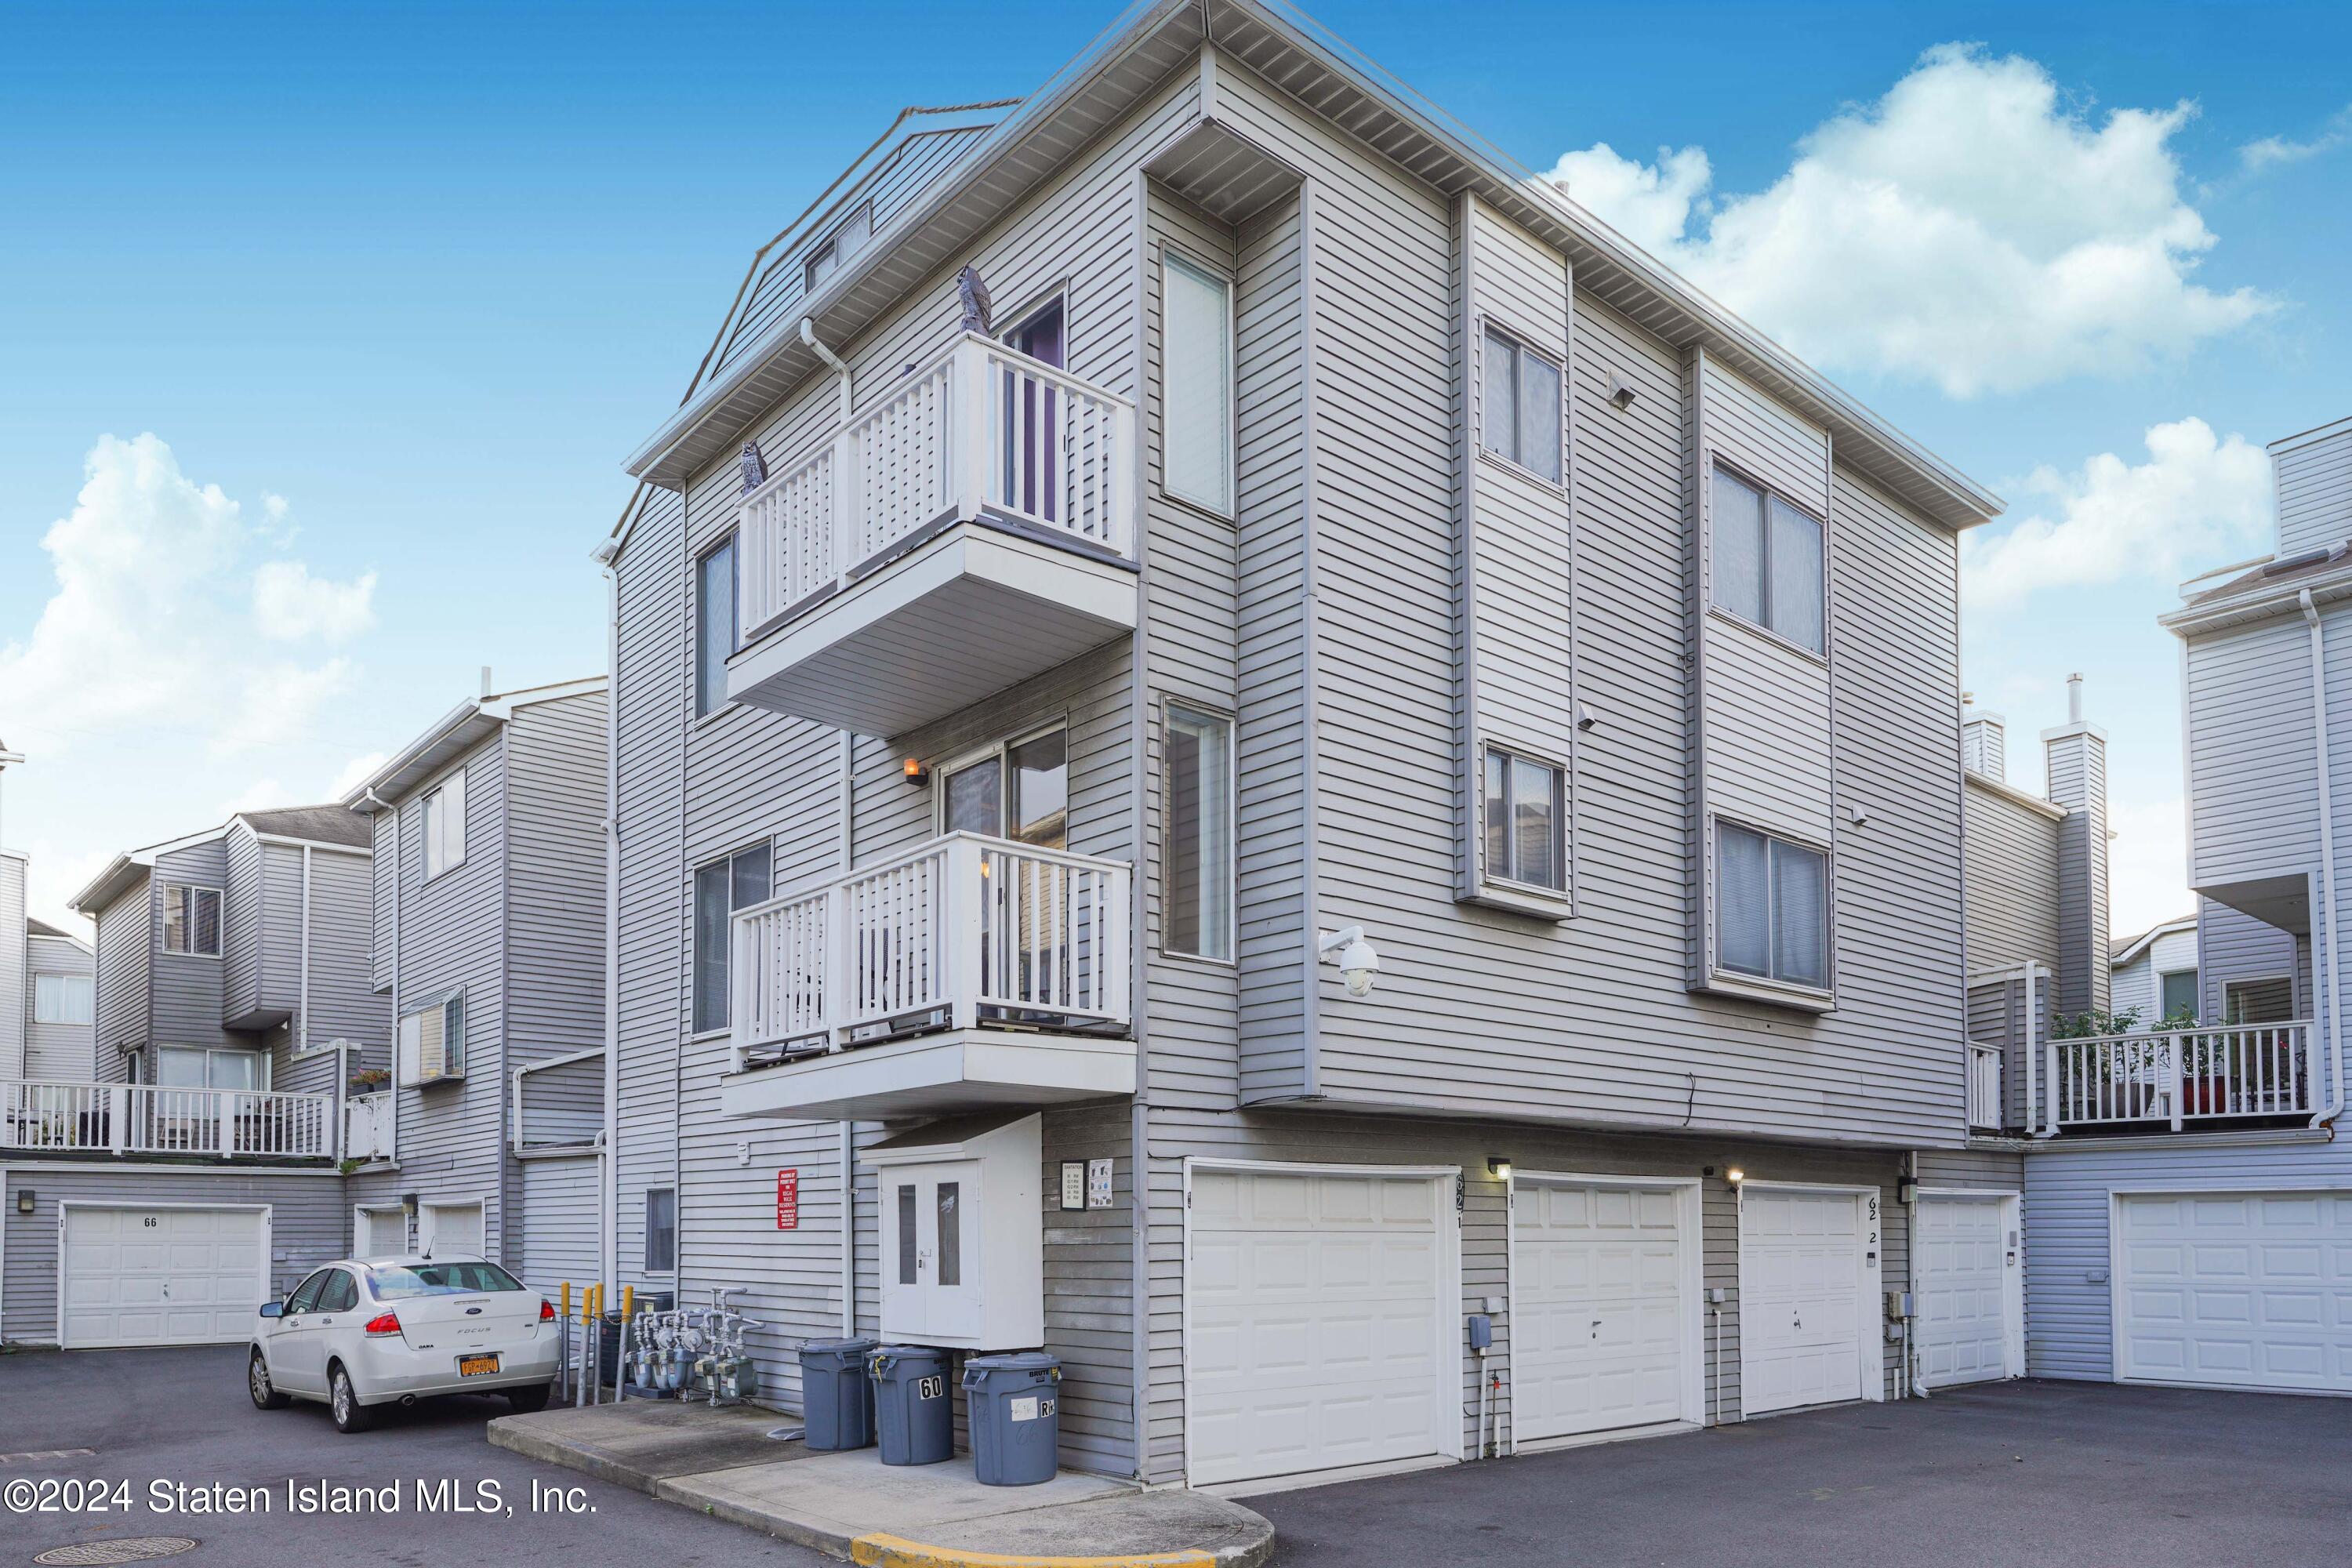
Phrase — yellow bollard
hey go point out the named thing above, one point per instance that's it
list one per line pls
(629, 1299)
(564, 1311)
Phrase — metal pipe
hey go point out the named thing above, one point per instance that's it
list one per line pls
(2334, 1106)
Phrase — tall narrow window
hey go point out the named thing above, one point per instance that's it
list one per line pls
(721, 888)
(1200, 837)
(1772, 908)
(908, 1242)
(2177, 993)
(1525, 821)
(1768, 562)
(950, 1234)
(1518, 413)
(715, 630)
(445, 826)
(192, 919)
(1197, 385)
(661, 1230)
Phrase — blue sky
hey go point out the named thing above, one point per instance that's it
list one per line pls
(394, 289)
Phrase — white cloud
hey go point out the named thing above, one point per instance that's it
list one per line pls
(261, 794)
(2198, 499)
(2148, 864)
(356, 772)
(154, 620)
(289, 605)
(2270, 152)
(1968, 229)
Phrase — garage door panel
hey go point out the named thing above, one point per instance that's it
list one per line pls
(1597, 1325)
(161, 1276)
(2248, 1289)
(1801, 1267)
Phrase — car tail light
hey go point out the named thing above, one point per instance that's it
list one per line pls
(383, 1323)
(546, 1311)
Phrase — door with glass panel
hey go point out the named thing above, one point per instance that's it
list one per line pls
(1033, 439)
(1022, 793)
(931, 1249)
(183, 1114)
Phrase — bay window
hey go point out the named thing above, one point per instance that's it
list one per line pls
(192, 919)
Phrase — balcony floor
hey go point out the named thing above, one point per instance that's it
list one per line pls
(935, 1075)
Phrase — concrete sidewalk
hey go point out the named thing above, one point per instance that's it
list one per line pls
(722, 1463)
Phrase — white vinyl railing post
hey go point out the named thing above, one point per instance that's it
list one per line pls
(845, 491)
(840, 998)
(742, 981)
(2174, 1079)
(963, 937)
(118, 1118)
(969, 429)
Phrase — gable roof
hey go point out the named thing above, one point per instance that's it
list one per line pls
(35, 926)
(450, 737)
(332, 824)
(1152, 40)
(2124, 951)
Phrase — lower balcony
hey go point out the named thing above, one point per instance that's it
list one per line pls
(2184, 1080)
(117, 1119)
(967, 974)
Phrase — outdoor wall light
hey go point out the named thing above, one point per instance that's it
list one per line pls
(916, 774)
(1357, 961)
(1735, 1176)
(23, 1200)
(1499, 1167)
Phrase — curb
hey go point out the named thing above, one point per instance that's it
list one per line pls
(880, 1550)
(547, 1451)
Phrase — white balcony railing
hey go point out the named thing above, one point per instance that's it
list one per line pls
(148, 1119)
(2184, 1075)
(962, 932)
(1985, 1103)
(981, 427)
(368, 1121)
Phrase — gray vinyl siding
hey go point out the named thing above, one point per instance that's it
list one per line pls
(2253, 793)
(184, 990)
(564, 1103)
(2233, 946)
(283, 913)
(2315, 488)
(63, 1051)
(2068, 1297)
(243, 900)
(125, 940)
(15, 979)
(2012, 882)
(1984, 1170)
(344, 1004)
(309, 1224)
(554, 900)
(383, 878)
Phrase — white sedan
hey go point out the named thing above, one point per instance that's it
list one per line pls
(359, 1333)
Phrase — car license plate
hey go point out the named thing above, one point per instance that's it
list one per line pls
(476, 1365)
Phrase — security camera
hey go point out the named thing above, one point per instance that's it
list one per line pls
(1357, 961)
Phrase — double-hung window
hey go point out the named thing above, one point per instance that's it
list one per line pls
(661, 1230)
(433, 1041)
(1518, 405)
(2176, 995)
(716, 630)
(445, 826)
(722, 887)
(1524, 815)
(1197, 385)
(192, 919)
(1767, 562)
(1199, 892)
(839, 245)
(62, 999)
(1772, 907)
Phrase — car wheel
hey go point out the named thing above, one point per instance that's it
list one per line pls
(526, 1400)
(351, 1416)
(265, 1393)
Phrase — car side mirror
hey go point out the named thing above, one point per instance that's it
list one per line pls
(273, 1309)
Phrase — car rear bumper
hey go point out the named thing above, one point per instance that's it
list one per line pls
(386, 1371)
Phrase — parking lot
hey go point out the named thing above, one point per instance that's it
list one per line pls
(2052, 1474)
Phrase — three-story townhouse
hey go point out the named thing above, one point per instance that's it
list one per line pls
(230, 1008)
(488, 951)
(1246, 747)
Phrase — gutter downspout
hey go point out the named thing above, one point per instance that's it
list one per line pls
(847, 804)
(380, 804)
(2327, 1114)
(608, 1174)
(2041, 1096)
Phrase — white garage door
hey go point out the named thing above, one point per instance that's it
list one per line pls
(1313, 1322)
(1966, 1265)
(2241, 1289)
(450, 1230)
(1802, 1278)
(559, 1224)
(161, 1276)
(384, 1232)
(1598, 1315)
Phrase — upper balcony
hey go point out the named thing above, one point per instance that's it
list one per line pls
(974, 529)
(2185, 1080)
(137, 1118)
(966, 974)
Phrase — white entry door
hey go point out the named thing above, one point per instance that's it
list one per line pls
(1599, 1316)
(932, 1251)
(1803, 1274)
(161, 1276)
(2235, 1290)
(1968, 1269)
(1320, 1325)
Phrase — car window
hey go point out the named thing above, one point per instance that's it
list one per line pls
(341, 1294)
(306, 1294)
(406, 1281)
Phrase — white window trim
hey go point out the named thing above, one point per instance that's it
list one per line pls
(2161, 975)
(811, 285)
(1527, 343)
(693, 880)
(425, 819)
(1719, 980)
(645, 1232)
(1770, 492)
(65, 981)
(220, 922)
(732, 542)
(2237, 981)
(1177, 255)
(1233, 829)
(1507, 892)
(402, 1075)
(1001, 750)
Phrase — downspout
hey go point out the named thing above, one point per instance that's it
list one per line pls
(848, 854)
(380, 804)
(2044, 1095)
(831, 361)
(2328, 1113)
(608, 1178)
(302, 990)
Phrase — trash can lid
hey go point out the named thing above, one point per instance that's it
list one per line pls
(858, 1346)
(912, 1352)
(1013, 1361)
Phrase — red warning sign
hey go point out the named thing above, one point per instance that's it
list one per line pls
(788, 1200)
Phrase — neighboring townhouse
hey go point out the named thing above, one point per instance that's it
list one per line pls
(46, 1031)
(1246, 747)
(231, 1008)
(2153, 976)
(489, 953)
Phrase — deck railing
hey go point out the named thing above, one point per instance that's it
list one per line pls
(152, 1118)
(1986, 1106)
(2183, 1076)
(368, 1121)
(981, 427)
(964, 931)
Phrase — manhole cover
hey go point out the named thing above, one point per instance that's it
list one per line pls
(132, 1549)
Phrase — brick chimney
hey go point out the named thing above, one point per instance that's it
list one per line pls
(2075, 754)
(1984, 739)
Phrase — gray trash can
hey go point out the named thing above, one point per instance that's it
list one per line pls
(837, 1395)
(1015, 1420)
(913, 1420)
